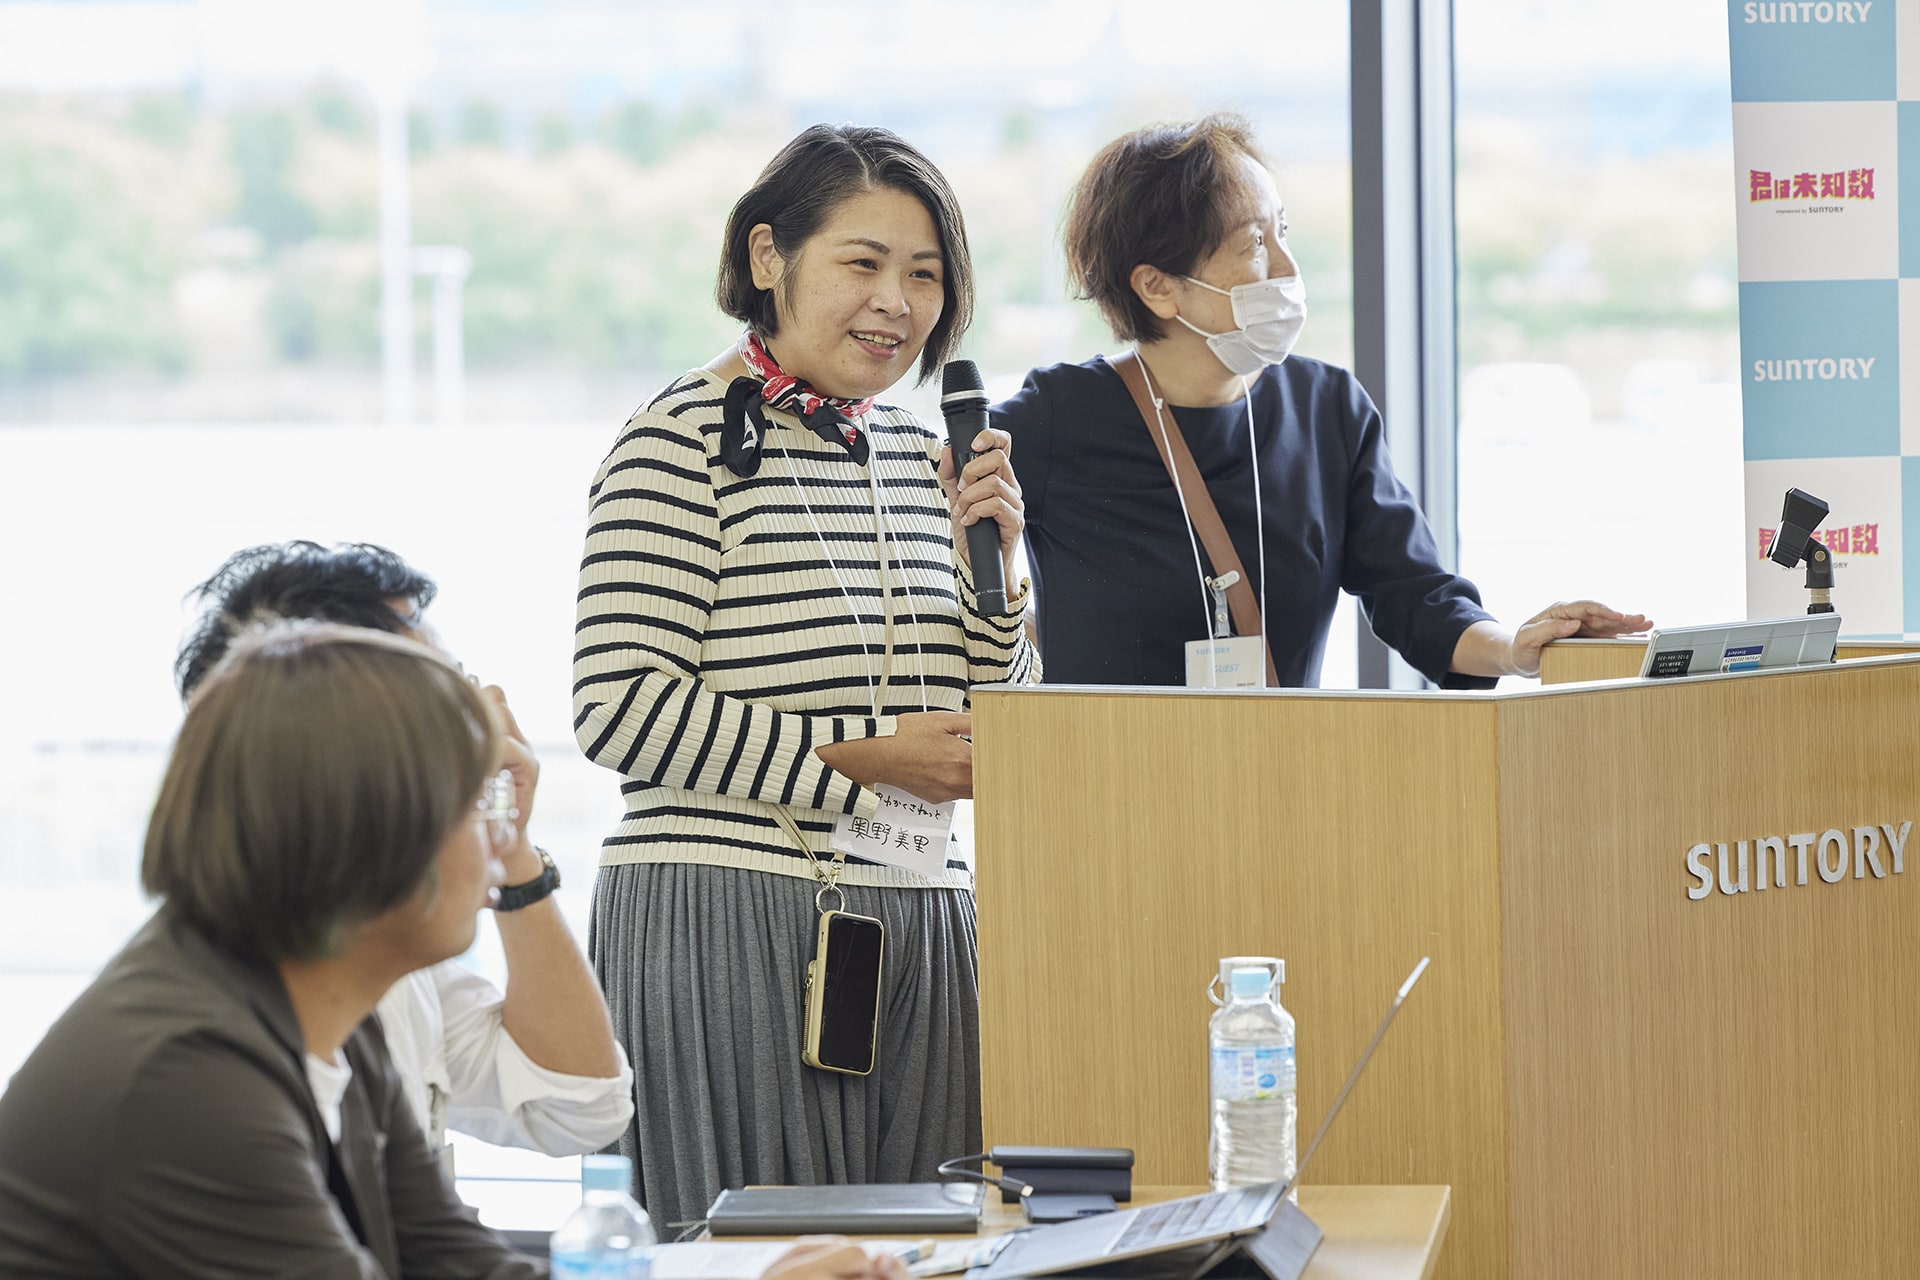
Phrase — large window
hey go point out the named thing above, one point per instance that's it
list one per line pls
(1599, 428)
(191, 319)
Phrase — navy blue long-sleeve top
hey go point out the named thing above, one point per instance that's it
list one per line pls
(1114, 577)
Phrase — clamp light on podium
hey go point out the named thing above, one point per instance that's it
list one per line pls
(1795, 542)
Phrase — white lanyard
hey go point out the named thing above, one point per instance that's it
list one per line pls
(889, 550)
(1259, 510)
(904, 831)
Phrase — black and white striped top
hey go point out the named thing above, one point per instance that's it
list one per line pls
(716, 642)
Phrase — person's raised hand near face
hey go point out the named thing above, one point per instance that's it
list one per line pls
(520, 858)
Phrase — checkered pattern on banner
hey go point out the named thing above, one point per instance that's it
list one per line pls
(1826, 122)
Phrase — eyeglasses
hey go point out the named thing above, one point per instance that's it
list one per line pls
(496, 809)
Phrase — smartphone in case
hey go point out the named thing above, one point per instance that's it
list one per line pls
(843, 994)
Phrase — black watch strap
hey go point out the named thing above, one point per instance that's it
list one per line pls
(515, 896)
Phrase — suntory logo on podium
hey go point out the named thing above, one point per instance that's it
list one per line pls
(1745, 866)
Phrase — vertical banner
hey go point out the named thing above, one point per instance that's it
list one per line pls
(1826, 122)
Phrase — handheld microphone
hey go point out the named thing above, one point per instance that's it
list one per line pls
(963, 402)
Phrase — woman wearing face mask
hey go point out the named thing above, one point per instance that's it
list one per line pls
(777, 623)
(1178, 234)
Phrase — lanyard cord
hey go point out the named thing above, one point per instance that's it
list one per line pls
(1259, 510)
(889, 549)
(890, 554)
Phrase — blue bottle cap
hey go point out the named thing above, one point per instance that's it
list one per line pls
(1251, 982)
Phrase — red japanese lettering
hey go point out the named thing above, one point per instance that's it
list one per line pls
(1833, 185)
(1759, 185)
(1866, 540)
(1805, 186)
(1859, 184)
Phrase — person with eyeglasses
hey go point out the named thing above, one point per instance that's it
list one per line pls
(536, 1066)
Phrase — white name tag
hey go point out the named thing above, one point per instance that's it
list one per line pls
(1232, 662)
(905, 831)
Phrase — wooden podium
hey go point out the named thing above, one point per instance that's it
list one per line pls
(1616, 1079)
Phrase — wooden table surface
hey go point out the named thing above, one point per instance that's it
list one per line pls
(1372, 1233)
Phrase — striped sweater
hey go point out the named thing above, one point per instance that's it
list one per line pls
(717, 644)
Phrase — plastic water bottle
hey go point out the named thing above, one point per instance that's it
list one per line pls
(1252, 1073)
(608, 1237)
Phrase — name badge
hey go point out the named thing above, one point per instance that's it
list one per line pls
(905, 831)
(1230, 662)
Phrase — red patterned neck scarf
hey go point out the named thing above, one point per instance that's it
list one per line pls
(781, 390)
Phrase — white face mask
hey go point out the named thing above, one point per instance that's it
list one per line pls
(1270, 314)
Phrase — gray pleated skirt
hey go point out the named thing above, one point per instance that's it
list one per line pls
(703, 966)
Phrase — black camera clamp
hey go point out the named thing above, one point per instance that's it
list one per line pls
(1795, 542)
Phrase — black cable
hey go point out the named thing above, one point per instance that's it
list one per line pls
(1012, 1186)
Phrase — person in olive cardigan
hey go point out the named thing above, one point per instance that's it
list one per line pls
(219, 1101)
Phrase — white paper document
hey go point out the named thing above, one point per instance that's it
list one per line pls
(715, 1260)
(741, 1260)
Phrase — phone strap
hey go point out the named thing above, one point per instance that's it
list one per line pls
(825, 870)
(1198, 502)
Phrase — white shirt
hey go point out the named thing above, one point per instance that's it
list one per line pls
(463, 1071)
(329, 1082)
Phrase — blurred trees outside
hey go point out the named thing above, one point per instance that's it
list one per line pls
(156, 237)
(591, 251)
(96, 224)
(1563, 255)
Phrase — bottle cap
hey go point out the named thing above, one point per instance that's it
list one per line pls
(1251, 982)
(606, 1173)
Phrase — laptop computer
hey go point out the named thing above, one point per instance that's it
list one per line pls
(1191, 1236)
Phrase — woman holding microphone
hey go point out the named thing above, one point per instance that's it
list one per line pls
(775, 640)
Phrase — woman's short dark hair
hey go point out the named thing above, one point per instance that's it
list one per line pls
(318, 772)
(1165, 196)
(799, 190)
(356, 583)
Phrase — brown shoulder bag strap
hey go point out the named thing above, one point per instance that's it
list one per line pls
(1199, 502)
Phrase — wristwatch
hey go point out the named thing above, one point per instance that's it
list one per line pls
(516, 896)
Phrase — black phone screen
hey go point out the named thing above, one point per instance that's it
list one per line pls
(849, 1002)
